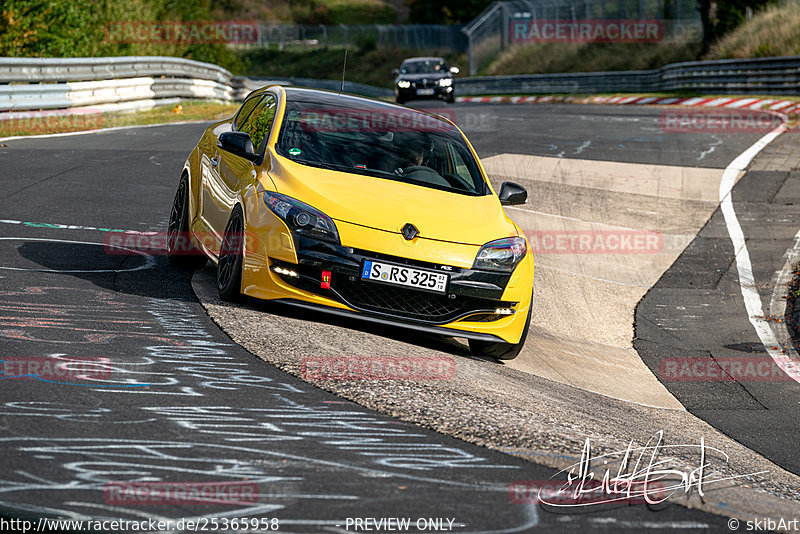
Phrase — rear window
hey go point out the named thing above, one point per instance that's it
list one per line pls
(385, 142)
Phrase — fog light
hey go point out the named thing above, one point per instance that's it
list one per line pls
(504, 311)
(285, 272)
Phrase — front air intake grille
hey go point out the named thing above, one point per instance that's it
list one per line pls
(409, 303)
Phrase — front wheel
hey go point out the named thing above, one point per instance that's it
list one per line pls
(229, 266)
(500, 350)
(450, 98)
(180, 251)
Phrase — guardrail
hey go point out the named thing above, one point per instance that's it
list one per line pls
(774, 76)
(36, 83)
(18, 97)
(59, 70)
(120, 82)
(108, 82)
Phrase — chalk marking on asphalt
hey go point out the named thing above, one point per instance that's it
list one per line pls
(711, 148)
(59, 226)
(150, 261)
(681, 525)
(752, 301)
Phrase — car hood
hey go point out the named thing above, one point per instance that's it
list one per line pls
(388, 205)
(426, 76)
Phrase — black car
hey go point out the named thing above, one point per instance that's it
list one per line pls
(424, 77)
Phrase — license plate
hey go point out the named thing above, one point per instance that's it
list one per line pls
(401, 275)
(424, 92)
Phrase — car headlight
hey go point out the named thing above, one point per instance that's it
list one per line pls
(501, 255)
(301, 218)
(403, 84)
(446, 82)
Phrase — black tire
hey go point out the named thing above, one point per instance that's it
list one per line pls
(450, 98)
(400, 101)
(499, 350)
(180, 251)
(229, 266)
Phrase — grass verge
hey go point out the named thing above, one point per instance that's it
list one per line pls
(42, 123)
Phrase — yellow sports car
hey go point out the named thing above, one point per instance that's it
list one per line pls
(360, 208)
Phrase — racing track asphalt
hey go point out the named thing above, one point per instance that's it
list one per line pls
(696, 310)
(184, 403)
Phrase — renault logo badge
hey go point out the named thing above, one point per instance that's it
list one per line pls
(410, 231)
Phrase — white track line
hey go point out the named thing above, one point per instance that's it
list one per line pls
(752, 301)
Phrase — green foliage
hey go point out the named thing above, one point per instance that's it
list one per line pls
(764, 50)
(589, 57)
(349, 12)
(366, 43)
(259, 123)
(77, 28)
(44, 28)
(723, 16)
(445, 11)
(774, 31)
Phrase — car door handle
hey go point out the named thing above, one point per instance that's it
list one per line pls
(214, 162)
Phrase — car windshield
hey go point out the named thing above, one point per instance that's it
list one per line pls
(382, 141)
(424, 66)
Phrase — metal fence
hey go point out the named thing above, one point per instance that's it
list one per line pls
(491, 32)
(772, 76)
(415, 36)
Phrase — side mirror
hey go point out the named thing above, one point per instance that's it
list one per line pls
(238, 143)
(395, 72)
(454, 70)
(512, 194)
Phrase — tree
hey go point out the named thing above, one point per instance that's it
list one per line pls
(445, 11)
(721, 16)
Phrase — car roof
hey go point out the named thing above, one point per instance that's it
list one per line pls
(326, 98)
(423, 59)
(332, 98)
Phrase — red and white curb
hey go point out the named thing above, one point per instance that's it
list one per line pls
(757, 104)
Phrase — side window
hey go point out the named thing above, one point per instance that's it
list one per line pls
(245, 110)
(460, 168)
(259, 122)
